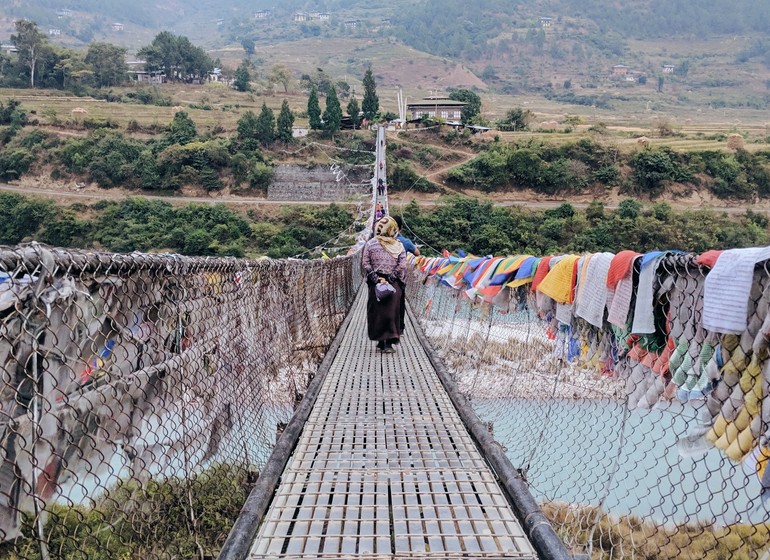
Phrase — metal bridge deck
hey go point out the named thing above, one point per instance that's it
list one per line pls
(386, 469)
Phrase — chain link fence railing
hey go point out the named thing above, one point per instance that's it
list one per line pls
(141, 394)
(642, 433)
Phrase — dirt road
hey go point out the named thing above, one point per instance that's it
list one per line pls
(69, 196)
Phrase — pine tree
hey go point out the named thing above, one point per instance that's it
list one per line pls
(314, 110)
(247, 132)
(285, 123)
(370, 104)
(353, 110)
(242, 80)
(265, 126)
(333, 114)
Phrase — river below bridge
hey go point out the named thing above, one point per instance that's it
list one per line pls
(576, 451)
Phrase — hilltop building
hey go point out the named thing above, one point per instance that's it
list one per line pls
(441, 107)
(546, 21)
(620, 70)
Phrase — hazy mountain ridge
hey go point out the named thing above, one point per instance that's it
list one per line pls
(639, 19)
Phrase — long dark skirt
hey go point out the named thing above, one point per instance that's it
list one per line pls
(385, 319)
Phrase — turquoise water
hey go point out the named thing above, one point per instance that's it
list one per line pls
(572, 454)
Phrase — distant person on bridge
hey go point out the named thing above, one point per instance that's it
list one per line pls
(409, 246)
(384, 261)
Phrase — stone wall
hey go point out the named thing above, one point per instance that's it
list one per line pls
(294, 182)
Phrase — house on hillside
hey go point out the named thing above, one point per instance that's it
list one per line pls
(352, 23)
(9, 49)
(324, 16)
(216, 76)
(262, 14)
(64, 13)
(301, 16)
(54, 31)
(137, 72)
(117, 27)
(147, 76)
(620, 70)
(437, 107)
(668, 68)
(546, 21)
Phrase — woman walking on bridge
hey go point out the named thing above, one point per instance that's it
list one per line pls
(384, 262)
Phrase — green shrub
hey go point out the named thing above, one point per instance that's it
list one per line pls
(14, 162)
(95, 124)
(152, 521)
(40, 138)
(22, 216)
(193, 163)
(403, 178)
(12, 114)
(608, 175)
(260, 176)
(653, 168)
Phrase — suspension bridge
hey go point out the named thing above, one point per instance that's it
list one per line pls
(596, 406)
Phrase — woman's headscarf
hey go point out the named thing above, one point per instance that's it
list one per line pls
(386, 231)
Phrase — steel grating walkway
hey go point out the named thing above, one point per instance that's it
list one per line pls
(386, 469)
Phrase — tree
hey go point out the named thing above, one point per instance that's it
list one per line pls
(71, 65)
(265, 126)
(176, 56)
(370, 104)
(242, 80)
(489, 74)
(314, 110)
(280, 74)
(194, 62)
(248, 45)
(472, 104)
(343, 89)
(108, 63)
(683, 68)
(285, 123)
(319, 80)
(353, 111)
(181, 130)
(30, 43)
(247, 132)
(333, 114)
(162, 54)
(519, 118)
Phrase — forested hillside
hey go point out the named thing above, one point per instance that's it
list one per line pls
(713, 53)
(447, 28)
